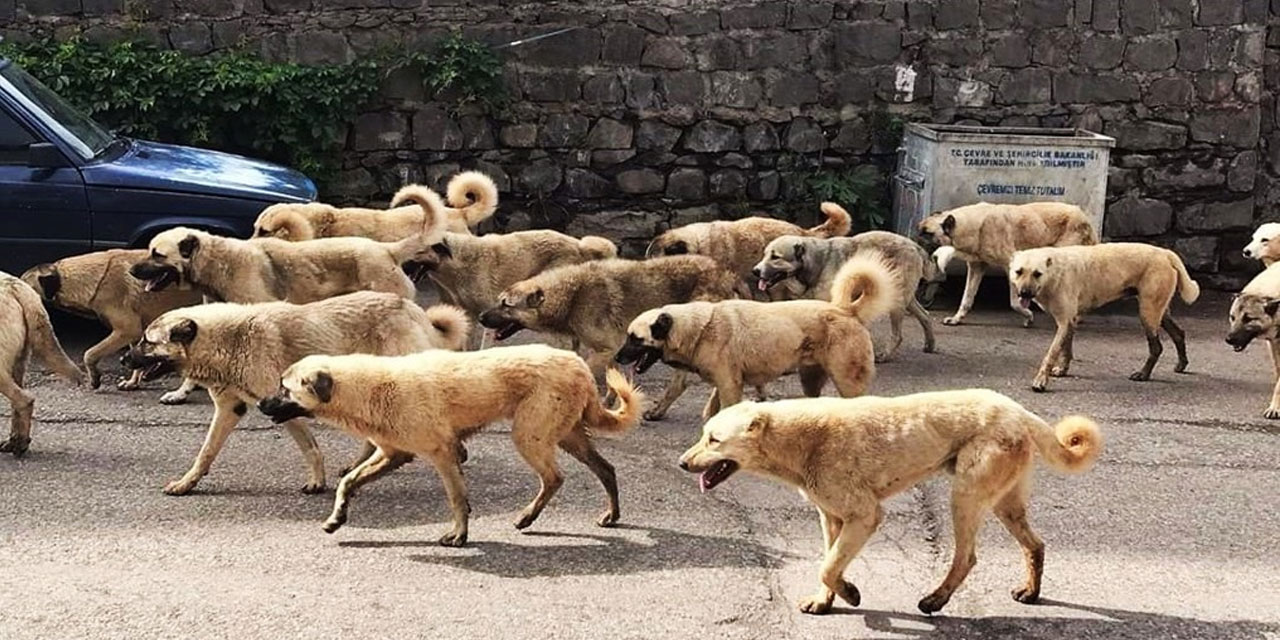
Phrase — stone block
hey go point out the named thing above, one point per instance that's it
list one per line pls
(740, 90)
(569, 50)
(666, 53)
(1147, 135)
(1165, 92)
(765, 186)
(683, 87)
(1220, 13)
(854, 136)
(551, 86)
(319, 47)
(540, 176)
(810, 15)
(694, 23)
(710, 136)
(1235, 126)
(1193, 50)
(1176, 14)
(956, 51)
(519, 136)
(583, 183)
(1043, 14)
(1138, 17)
(1094, 88)
(1025, 86)
(687, 184)
(564, 130)
(728, 184)
(1152, 54)
(956, 14)
(603, 89)
(1198, 254)
(1101, 51)
(712, 53)
(656, 135)
(999, 14)
(196, 38)
(777, 50)
(380, 130)
(1216, 216)
(639, 181)
(862, 44)
(641, 92)
(1009, 50)
(354, 183)
(434, 130)
(609, 134)
(1131, 217)
(759, 136)
(610, 157)
(1243, 172)
(1106, 15)
(1182, 176)
(623, 45)
(758, 16)
(793, 90)
(804, 136)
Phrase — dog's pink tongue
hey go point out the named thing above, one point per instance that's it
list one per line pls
(762, 285)
(704, 481)
(1025, 302)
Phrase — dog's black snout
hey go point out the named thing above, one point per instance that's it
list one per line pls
(1247, 253)
(757, 273)
(684, 465)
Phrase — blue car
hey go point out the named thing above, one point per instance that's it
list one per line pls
(67, 185)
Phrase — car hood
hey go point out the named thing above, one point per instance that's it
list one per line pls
(165, 167)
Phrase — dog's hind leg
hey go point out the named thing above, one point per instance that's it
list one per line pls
(853, 534)
(971, 283)
(712, 406)
(114, 341)
(310, 454)
(675, 388)
(445, 461)
(918, 312)
(373, 467)
(578, 444)
(22, 407)
(227, 410)
(1179, 338)
(895, 336)
(1273, 410)
(1151, 327)
(1012, 512)
(812, 379)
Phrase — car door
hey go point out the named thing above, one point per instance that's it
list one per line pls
(44, 212)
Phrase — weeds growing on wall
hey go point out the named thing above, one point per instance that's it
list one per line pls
(861, 190)
(241, 103)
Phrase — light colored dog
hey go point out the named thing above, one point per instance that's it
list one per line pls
(737, 342)
(473, 198)
(1070, 281)
(98, 285)
(427, 404)
(987, 234)
(594, 302)
(1253, 315)
(737, 244)
(809, 265)
(238, 351)
(1265, 244)
(846, 456)
(26, 331)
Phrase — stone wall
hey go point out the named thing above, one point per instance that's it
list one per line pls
(666, 111)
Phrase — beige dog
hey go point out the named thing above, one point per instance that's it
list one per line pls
(848, 455)
(472, 195)
(1265, 244)
(98, 285)
(1253, 315)
(987, 234)
(548, 394)
(238, 351)
(26, 330)
(1070, 281)
(737, 244)
(808, 266)
(594, 302)
(737, 342)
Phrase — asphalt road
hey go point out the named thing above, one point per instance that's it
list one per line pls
(1175, 534)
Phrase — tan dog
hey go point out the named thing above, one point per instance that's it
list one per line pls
(472, 195)
(987, 234)
(238, 351)
(548, 394)
(737, 342)
(1253, 315)
(846, 456)
(1265, 244)
(595, 301)
(1070, 281)
(737, 244)
(807, 266)
(98, 285)
(26, 330)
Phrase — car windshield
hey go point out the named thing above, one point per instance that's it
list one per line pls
(87, 137)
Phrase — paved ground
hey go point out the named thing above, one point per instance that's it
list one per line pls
(1173, 535)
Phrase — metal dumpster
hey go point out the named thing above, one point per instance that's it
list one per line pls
(946, 166)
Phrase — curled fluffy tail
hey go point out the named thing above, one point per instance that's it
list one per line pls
(1187, 287)
(40, 334)
(630, 399)
(434, 219)
(452, 323)
(474, 195)
(597, 248)
(838, 222)
(865, 286)
(1072, 445)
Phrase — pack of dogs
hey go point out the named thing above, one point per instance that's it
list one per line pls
(314, 318)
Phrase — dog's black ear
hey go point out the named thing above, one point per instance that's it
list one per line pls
(677, 248)
(535, 299)
(948, 224)
(322, 386)
(188, 246)
(1048, 262)
(799, 251)
(1271, 307)
(442, 249)
(184, 332)
(758, 423)
(50, 284)
(661, 327)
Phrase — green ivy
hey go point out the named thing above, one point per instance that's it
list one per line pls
(240, 103)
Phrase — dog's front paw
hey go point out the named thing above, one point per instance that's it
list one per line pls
(95, 379)
(16, 446)
(655, 415)
(454, 539)
(126, 384)
(848, 593)
(607, 519)
(335, 522)
(1058, 372)
(1272, 413)
(179, 487)
(1181, 367)
(526, 519)
(1140, 376)
(816, 605)
(952, 320)
(173, 398)
(1028, 323)
(313, 487)
(1026, 595)
(1040, 384)
(932, 603)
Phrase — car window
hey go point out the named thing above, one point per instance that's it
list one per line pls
(14, 140)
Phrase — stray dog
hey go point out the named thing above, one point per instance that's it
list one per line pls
(734, 342)
(1253, 315)
(27, 331)
(846, 456)
(811, 264)
(472, 195)
(1069, 281)
(1265, 244)
(427, 404)
(238, 351)
(737, 244)
(594, 302)
(98, 285)
(987, 234)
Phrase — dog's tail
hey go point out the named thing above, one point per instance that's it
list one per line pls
(865, 286)
(838, 222)
(630, 399)
(433, 220)
(452, 323)
(40, 334)
(1187, 288)
(1071, 446)
(474, 194)
(597, 248)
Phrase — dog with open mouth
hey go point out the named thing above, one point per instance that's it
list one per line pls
(846, 456)
(1253, 316)
(733, 343)
(595, 301)
(1070, 281)
(238, 351)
